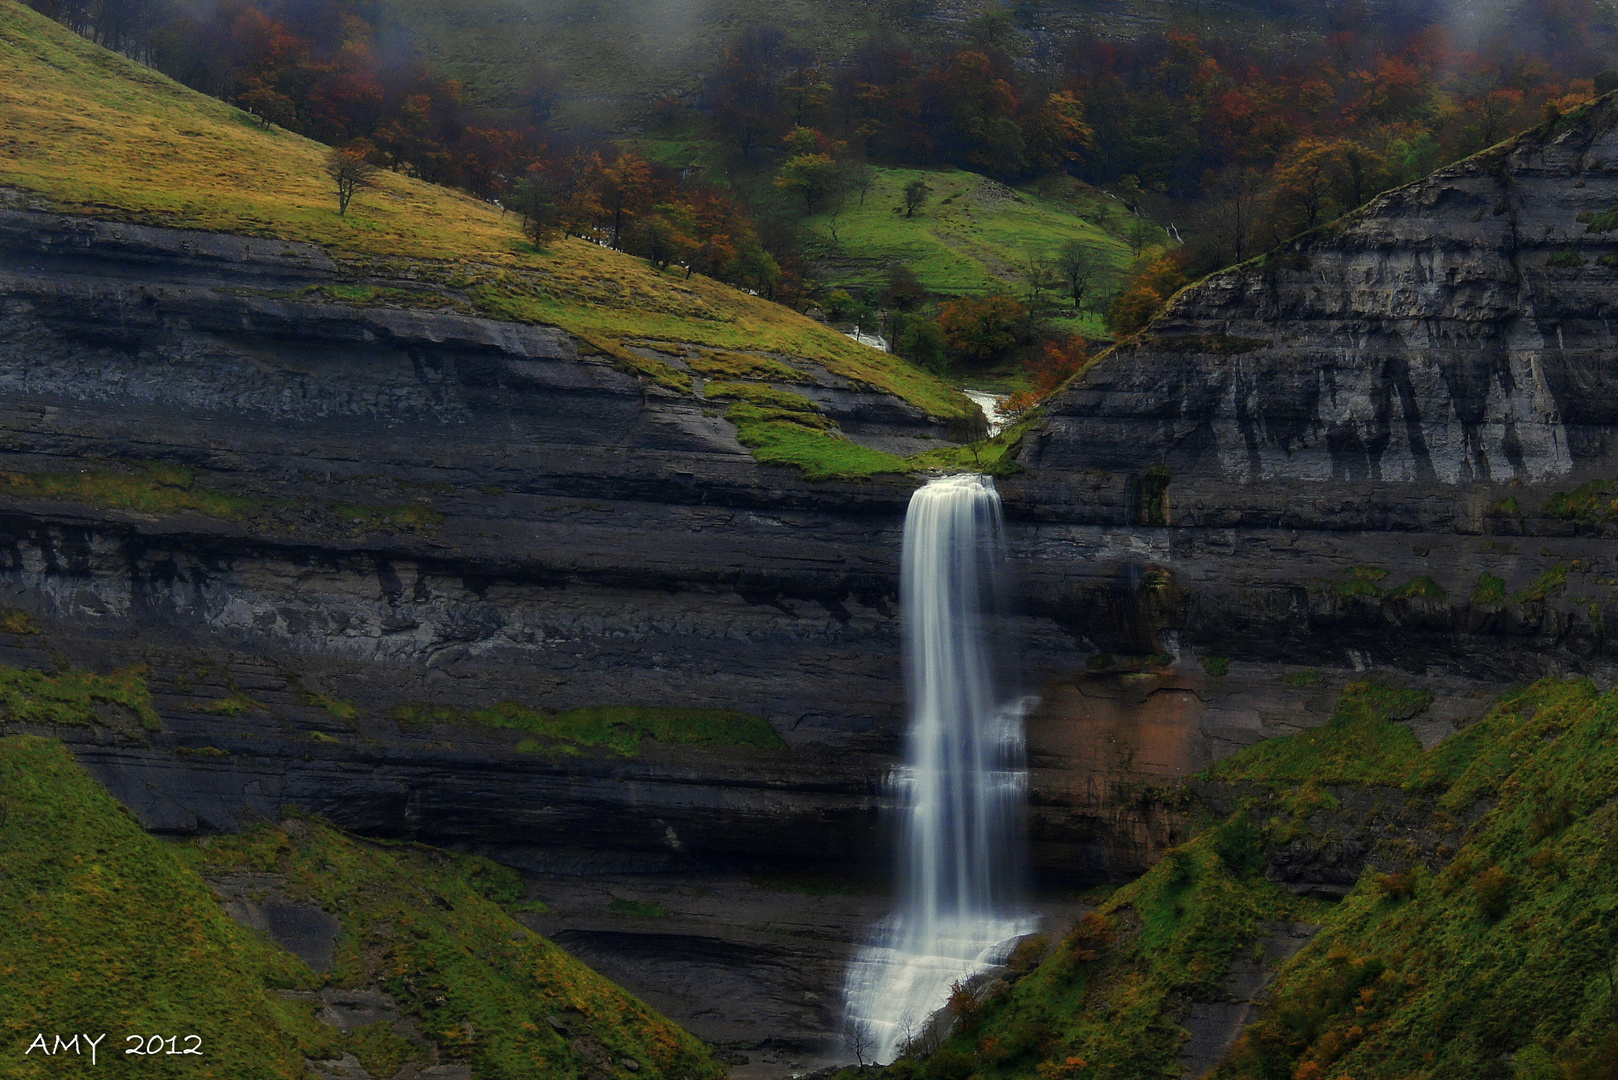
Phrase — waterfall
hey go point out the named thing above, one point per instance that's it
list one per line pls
(963, 785)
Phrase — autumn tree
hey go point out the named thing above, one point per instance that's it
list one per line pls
(665, 235)
(981, 329)
(1498, 114)
(811, 169)
(1048, 370)
(349, 170)
(625, 188)
(1360, 172)
(1304, 177)
(1148, 291)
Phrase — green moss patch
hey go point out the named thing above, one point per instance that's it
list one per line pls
(166, 489)
(618, 730)
(1422, 588)
(723, 364)
(1550, 583)
(17, 622)
(144, 486)
(1360, 744)
(791, 437)
(1591, 503)
(638, 909)
(1489, 589)
(1604, 222)
(766, 397)
(72, 697)
(1357, 581)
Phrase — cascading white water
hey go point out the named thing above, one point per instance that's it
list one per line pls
(963, 785)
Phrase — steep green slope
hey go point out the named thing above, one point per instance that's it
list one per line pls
(1106, 1001)
(1500, 963)
(105, 929)
(89, 131)
(1493, 959)
(423, 926)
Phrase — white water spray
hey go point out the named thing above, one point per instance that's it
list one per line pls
(963, 786)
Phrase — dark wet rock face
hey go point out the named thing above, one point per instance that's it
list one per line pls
(1328, 447)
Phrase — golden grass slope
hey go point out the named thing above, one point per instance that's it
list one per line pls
(89, 131)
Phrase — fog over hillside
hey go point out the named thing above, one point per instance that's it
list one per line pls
(612, 61)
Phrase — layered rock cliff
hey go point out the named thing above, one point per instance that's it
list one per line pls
(1386, 445)
(1389, 442)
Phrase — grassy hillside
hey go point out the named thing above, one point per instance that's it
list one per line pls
(1500, 960)
(105, 929)
(88, 131)
(974, 235)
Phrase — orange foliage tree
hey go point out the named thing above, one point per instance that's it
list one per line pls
(981, 328)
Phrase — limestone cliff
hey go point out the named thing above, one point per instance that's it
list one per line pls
(1389, 442)
(1386, 445)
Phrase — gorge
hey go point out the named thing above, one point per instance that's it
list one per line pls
(297, 533)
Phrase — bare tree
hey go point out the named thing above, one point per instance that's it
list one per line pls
(857, 1036)
(349, 170)
(908, 1033)
(1140, 234)
(1039, 280)
(1077, 264)
(1232, 207)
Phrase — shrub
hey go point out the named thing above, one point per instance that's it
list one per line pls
(1088, 939)
(1029, 952)
(1398, 885)
(1489, 589)
(1239, 845)
(949, 1064)
(1181, 870)
(1493, 891)
(1216, 666)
